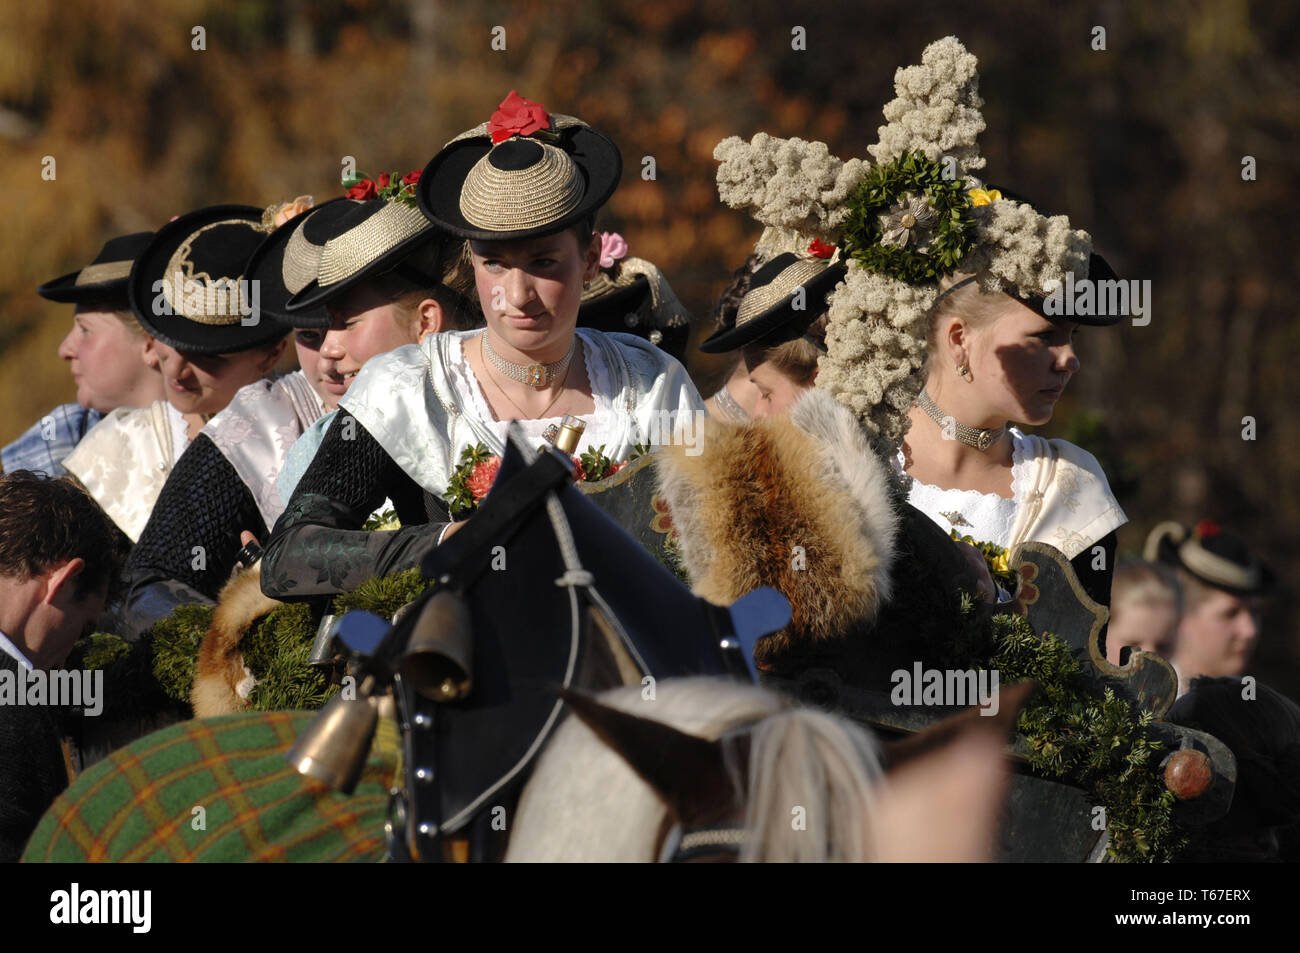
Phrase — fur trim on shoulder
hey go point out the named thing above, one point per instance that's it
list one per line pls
(220, 678)
(800, 504)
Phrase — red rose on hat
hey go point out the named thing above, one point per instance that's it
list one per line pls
(1206, 528)
(517, 116)
(819, 249)
(412, 177)
(384, 179)
(365, 189)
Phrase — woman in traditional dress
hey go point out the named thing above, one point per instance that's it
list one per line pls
(108, 353)
(225, 484)
(188, 291)
(814, 500)
(524, 190)
(993, 359)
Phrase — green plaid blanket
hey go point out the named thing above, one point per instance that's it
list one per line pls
(139, 804)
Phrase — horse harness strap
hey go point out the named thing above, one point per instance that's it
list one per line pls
(698, 842)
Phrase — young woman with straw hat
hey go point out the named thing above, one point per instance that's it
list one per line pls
(523, 190)
(188, 290)
(223, 490)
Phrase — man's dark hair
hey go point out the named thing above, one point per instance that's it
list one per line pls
(45, 522)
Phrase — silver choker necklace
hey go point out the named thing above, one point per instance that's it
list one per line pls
(534, 375)
(972, 437)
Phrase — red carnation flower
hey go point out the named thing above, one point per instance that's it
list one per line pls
(484, 475)
(412, 177)
(517, 116)
(1206, 528)
(365, 189)
(819, 249)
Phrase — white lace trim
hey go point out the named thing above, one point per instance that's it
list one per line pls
(991, 517)
(599, 424)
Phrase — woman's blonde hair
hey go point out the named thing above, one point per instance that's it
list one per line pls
(979, 309)
(1138, 582)
(795, 358)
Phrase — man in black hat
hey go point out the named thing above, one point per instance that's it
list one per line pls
(107, 353)
(1224, 587)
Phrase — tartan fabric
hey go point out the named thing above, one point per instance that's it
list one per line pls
(33, 452)
(137, 804)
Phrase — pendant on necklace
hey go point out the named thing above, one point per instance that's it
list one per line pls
(955, 518)
(536, 374)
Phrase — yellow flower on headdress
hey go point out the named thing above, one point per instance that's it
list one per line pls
(980, 197)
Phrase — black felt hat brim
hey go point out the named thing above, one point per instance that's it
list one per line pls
(779, 317)
(316, 295)
(65, 289)
(1168, 553)
(439, 188)
(177, 331)
(1098, 270)
(266, 266)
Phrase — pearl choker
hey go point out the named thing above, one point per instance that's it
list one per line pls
(534, 375)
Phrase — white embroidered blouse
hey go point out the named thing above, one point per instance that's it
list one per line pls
(1060, 496)
(126, 458)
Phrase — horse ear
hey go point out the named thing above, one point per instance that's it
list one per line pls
(687, 772)
(1011, 700)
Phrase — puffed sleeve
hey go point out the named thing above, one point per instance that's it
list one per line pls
(318, 547)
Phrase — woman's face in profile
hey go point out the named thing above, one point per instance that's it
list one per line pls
(1022, 362)
(777, 393)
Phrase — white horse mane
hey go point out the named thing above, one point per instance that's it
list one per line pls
(812, 778)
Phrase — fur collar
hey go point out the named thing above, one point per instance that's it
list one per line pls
(800, 504)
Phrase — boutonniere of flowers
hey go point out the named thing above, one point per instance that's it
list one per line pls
(389, 186)
(477, 471)
(995, 557)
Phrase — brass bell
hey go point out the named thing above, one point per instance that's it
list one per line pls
(334, 747)
(439, 656)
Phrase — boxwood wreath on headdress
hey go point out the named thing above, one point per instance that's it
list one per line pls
(903, 222)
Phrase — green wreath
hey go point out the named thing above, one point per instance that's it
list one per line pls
(881, 191)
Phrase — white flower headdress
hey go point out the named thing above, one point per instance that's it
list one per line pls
(903, 222)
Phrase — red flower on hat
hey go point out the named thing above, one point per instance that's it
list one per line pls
(1206, 528)
(819, 249)
(579, 471)
(365, 189)
(412, 177)
(517, 116)
(384, 179)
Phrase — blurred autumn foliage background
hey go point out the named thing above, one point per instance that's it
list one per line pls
(1141, 143)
